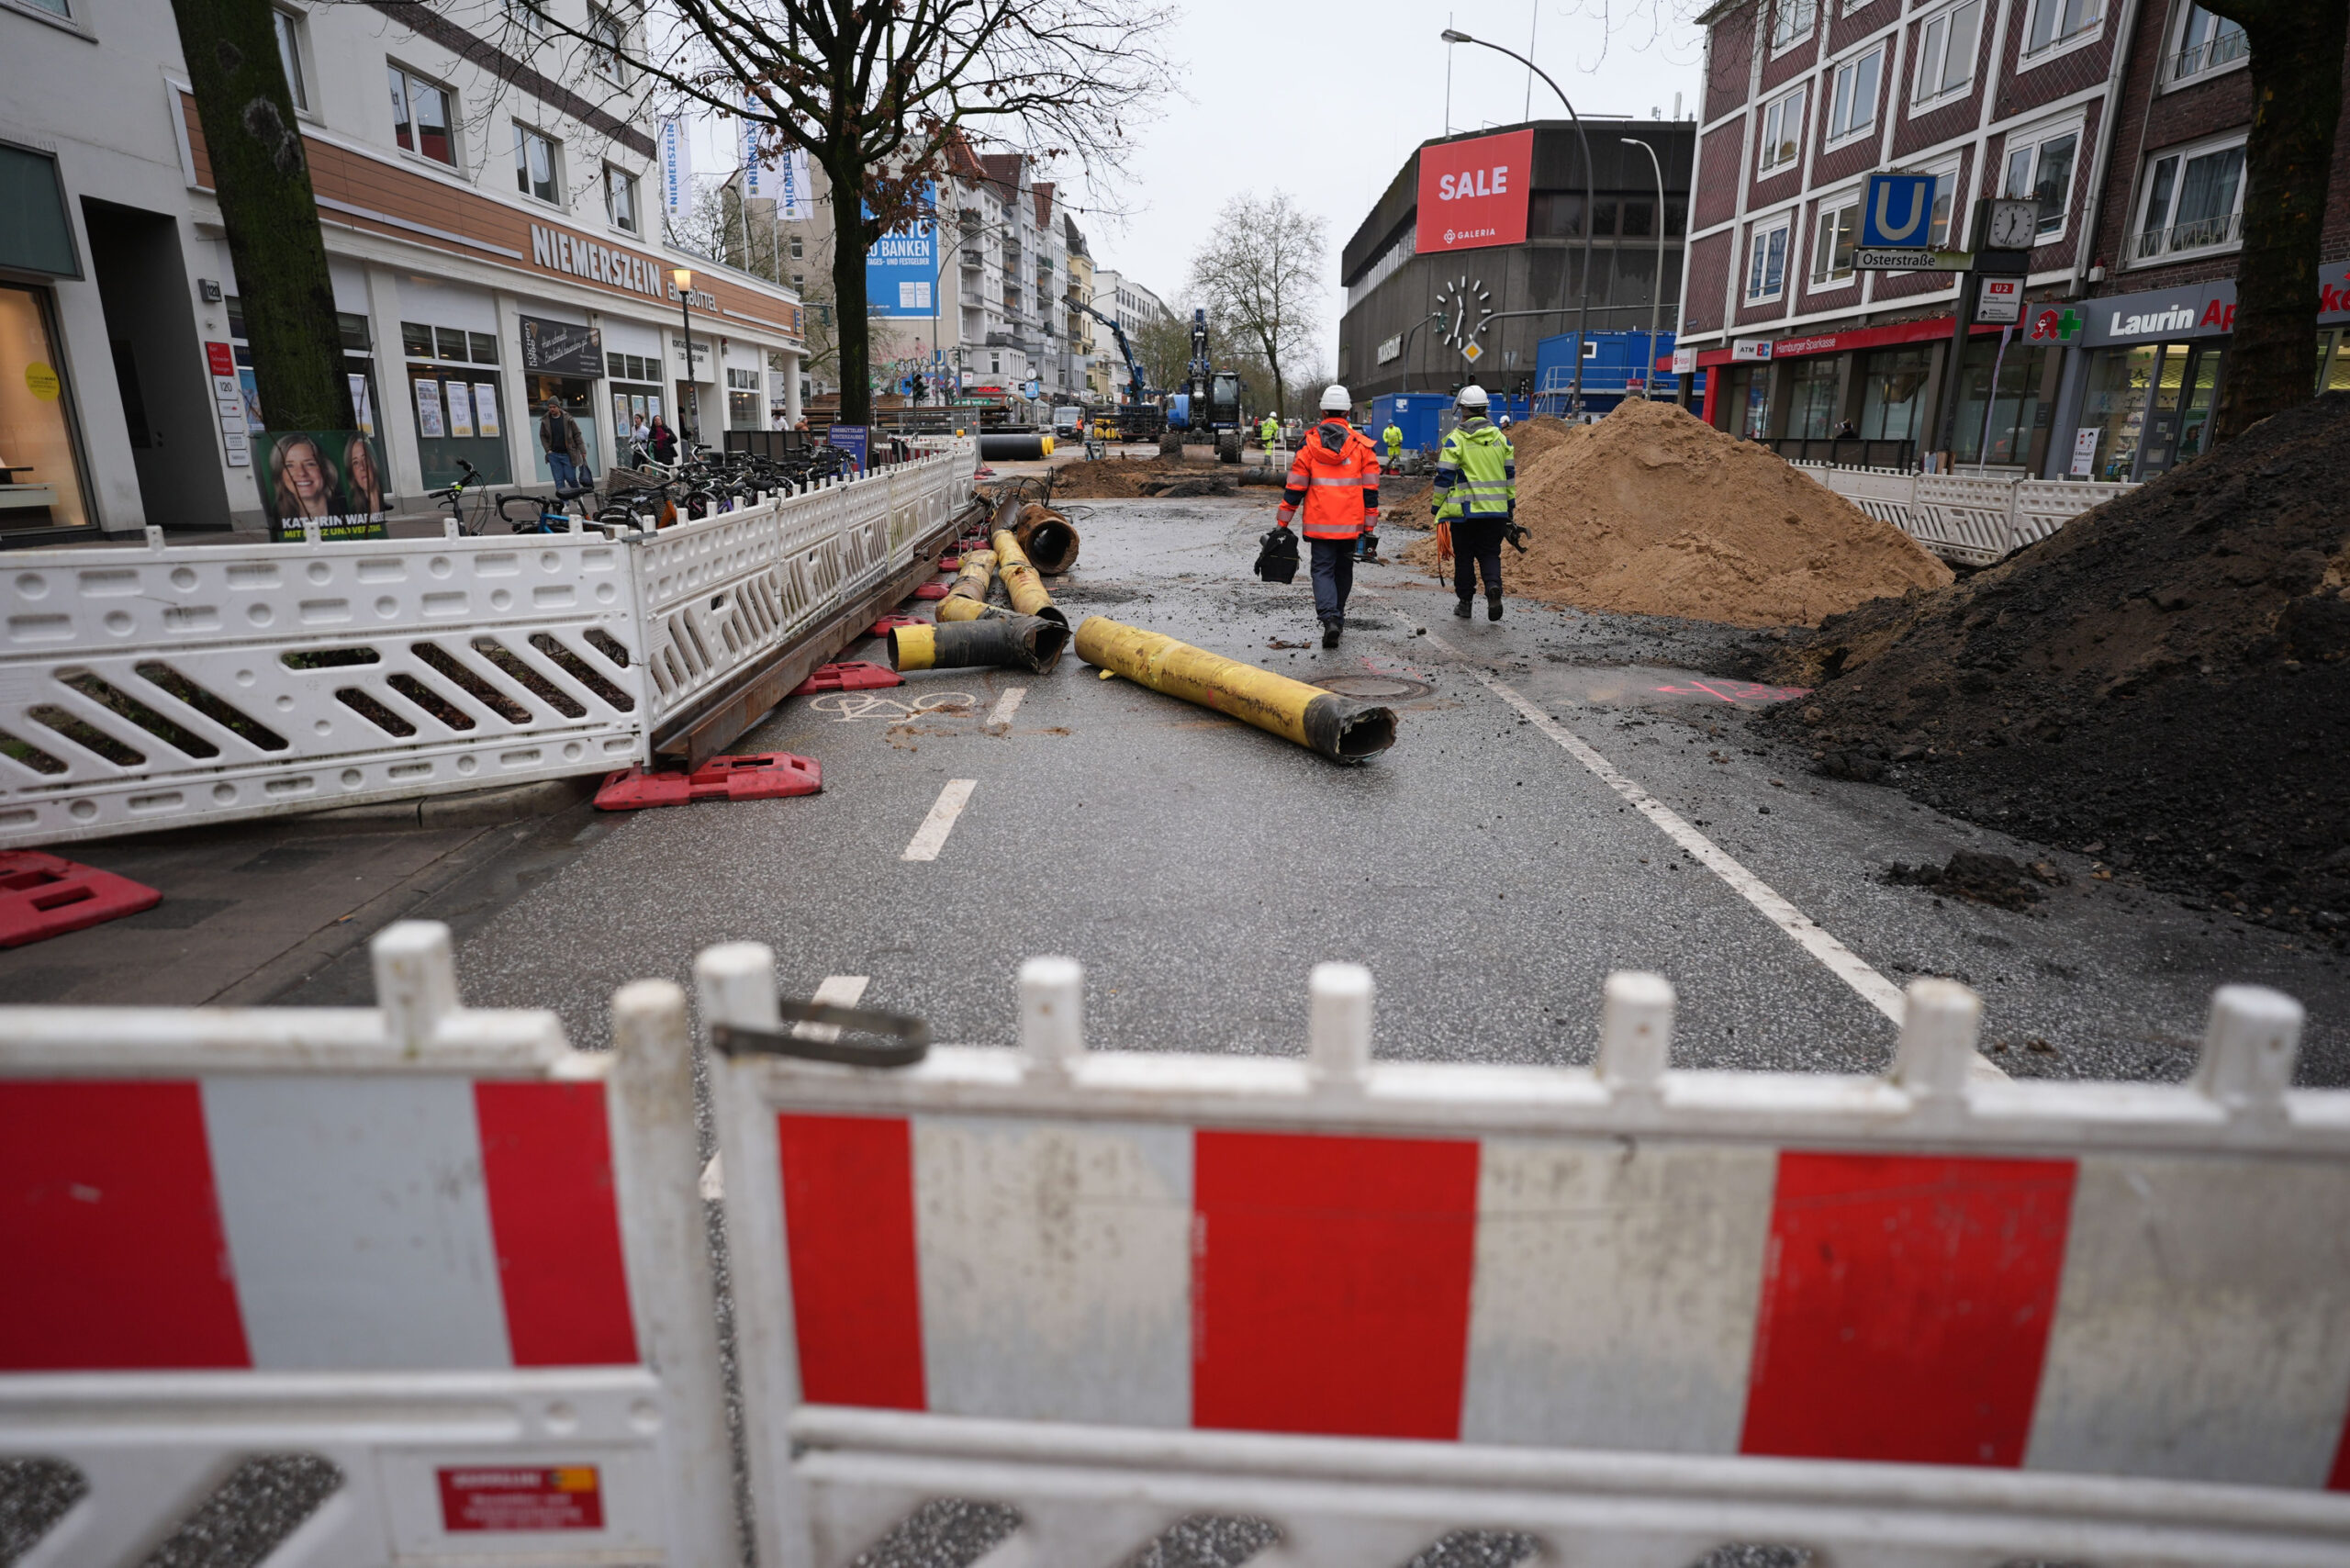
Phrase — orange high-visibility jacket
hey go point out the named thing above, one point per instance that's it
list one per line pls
(1336, 479)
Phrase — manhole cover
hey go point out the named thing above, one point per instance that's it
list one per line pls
(1379, 687)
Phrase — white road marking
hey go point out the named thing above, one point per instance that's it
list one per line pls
(836, 990)
(931, 838)
(1006, 706)
(1841, 961)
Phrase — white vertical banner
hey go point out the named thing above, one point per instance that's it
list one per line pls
(677, 167)
(754, 174)
(792, 202)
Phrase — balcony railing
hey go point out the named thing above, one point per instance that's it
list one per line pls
(2196, 234)
(2196, 59)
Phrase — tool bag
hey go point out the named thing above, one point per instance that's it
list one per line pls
(1277, 556)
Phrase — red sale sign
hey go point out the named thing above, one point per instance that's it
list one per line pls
(1474, 193)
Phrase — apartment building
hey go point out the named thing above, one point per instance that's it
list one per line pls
(1086, 380)
(1133, 306)
(488, 194)
(2122, 120)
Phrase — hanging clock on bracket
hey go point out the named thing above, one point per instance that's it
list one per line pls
(1467, 306)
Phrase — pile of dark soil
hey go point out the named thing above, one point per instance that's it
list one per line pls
(1124, 478)
(2162, 685)
(1982, 877)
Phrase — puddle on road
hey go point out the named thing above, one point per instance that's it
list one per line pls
(1652, 686)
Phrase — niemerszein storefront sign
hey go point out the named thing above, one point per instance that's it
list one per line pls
(614, 268)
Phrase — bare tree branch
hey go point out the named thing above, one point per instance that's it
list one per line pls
(1259, 275)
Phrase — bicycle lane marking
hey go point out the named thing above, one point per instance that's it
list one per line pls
(1839, 960)
(931, 838)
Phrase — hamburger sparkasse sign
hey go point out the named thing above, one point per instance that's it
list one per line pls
(1473, 193)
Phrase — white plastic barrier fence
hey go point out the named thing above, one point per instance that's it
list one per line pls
(1977, 519)
(430, 1259)
(1626, 1313)
(150, 688)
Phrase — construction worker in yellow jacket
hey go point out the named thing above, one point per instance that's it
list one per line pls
(1268, 433)
(1394, 438)
(1476, 492)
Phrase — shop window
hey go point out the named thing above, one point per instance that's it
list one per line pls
(2041, 169)
(1893, 384)
(607, 44)
(416, 340)
(2058, 22)
(2334, 360)
(1792, 21)
(1766, 268)
(452, 342)
(2206, 42)
(289, 55)
(538, 165)
(2192, 200)
(1832, 247)
(1811, 398)
(485, 347)
(1782, 131)
(1946, 47)
(619, 198)
(1853, 105)
(1999, 404)
(40, 459)
(422, 118)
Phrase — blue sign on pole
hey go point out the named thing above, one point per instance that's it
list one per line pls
(1897, 212)
(851, 438)
(902, 269)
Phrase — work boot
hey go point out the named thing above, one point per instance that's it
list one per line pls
(1330, 630)
(1493, 607)
(1461, 610)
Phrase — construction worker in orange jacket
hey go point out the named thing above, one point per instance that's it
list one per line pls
(1335, 481)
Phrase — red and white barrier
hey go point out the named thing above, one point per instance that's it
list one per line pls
(434, 1246)
(1635, 1312)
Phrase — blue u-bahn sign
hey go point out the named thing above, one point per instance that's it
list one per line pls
(1896, 212)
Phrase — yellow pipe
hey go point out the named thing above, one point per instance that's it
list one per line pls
(1340, 728)
(1020, 580)
(968, 599)
(1005, 642)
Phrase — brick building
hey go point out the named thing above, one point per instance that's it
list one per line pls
(2123, 119)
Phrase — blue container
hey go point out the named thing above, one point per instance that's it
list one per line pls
(1413, 413)
(1614, 366)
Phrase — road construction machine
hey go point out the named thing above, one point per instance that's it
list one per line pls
(1209, 404)
(1138, 415)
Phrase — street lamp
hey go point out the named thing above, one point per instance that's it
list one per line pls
(1590, 200)
(684, 278)
(1656, 292)
(1433, 319)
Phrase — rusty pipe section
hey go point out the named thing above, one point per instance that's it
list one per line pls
(1002, 641)
(1021, 579)
(1050, 539)
(967, 598)
(1342, 728)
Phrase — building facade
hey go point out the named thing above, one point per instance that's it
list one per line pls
(487, 195)
(2122, 120)
(1423, 289)
(1133, 306)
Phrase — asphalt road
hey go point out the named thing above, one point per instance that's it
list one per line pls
(1488, 877)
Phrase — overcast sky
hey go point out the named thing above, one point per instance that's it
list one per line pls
(1327, 102)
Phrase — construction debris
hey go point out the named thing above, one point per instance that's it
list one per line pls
(1982, 877)
(1021, 581)
(1003, 642)
(1050, 539)
(1342, 728)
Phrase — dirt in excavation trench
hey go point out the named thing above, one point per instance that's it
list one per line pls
(2163, 685)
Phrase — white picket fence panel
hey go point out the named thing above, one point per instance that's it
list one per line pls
(1978, 520)
(1625, 1312)
(430, 1247)
(287, 678)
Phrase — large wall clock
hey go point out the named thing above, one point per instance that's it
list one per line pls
(1467, 306)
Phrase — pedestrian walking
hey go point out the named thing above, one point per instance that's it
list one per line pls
(566, 448)
(663, 441)
(1334, 480)
(1476, 492)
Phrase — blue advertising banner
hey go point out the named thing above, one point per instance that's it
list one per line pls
(902, 269)
(850, 439)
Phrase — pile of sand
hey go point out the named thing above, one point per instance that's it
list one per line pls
(1537, 437)
(1652, 512)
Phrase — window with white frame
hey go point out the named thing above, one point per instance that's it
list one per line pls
(2058, 22)
(526, 19)
(619, 198)
(537, 164)
(1946, 48)
(2039, 166)
(1792, 21)
(1766, 264)
(1945, 207)
(1834, 240)
(2205, 42)
(607, 44)
(1851, 103)
(423, 116)
(1783, 131)
(289, 55)
(2191, 200)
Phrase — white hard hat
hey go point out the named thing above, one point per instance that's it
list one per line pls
(1470, 397)
(1335, 401)
(1505, 420)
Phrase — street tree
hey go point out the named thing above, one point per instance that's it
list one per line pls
(1164, 346)
(1260, 272)
(878, 92)
(2296, 69)
(262, 181)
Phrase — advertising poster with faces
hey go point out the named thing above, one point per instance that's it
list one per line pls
(336, 479)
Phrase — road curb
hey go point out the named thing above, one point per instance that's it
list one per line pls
(475, 808)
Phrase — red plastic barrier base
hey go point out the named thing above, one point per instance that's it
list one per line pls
(950, 563)
(853, 676)
(43, 896)
(890, 623)
(933, 590)
(759, 776)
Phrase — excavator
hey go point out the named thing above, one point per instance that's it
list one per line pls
(1209, 403)
(1137, 417)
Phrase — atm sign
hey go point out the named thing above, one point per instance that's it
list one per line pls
(501, 1497)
